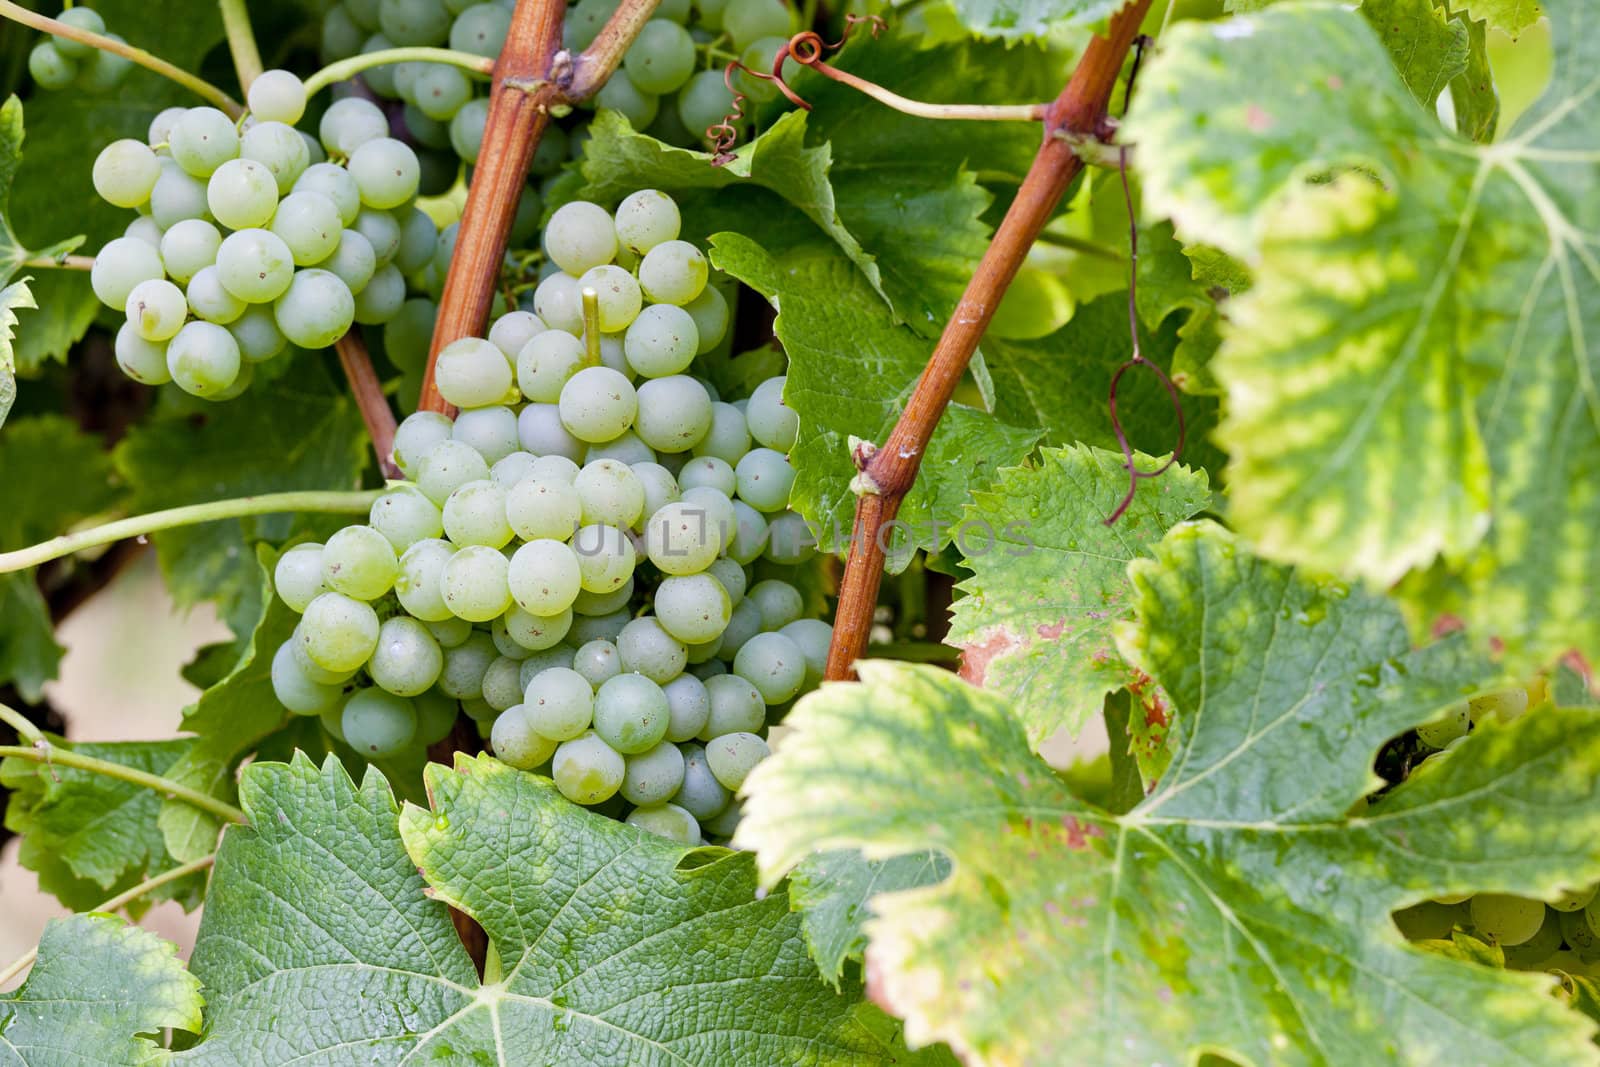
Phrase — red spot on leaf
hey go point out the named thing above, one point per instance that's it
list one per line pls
(1447, 624)
(1335, 82)
(1257, 119)
(1078, 833)
(975, 659)
(1050, 631)
(1157, 712)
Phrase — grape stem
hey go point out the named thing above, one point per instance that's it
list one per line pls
(127, 896)
(533, 76)
(199, 86)
(888, 472)
(241, 42)
(349, 68)
(591, 327)
(60, 262)
(44, 752)
(368, 391)
(326, 502)
(26, 730)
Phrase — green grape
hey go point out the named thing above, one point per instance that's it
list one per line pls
(471, 373)
(414, 22)
(450, 631)
(338, 632)
(586, 628)
(440, 91)
(161, 126)
(316, 310)
(761, 56)
(789, 540)
(546, 363)
(352, 262)
(674, 413)
(661, 341)
(448, 466)
(144, 229)
(730, 574)
(726, 821)
(415, 437)
(589, 603)
(545, 576)
(309, 225)
(211, 302)
(382, 231)
(1573, 899)
(647, 218)
(203, 359)
(674, 272)
(156, 309)
(297, 576)
(538, 632)
(597, 661)
(513, 467)
(1430, 920)
(743, 624)
(189, 246)
(404, 516)
(765, 478)
(1578, 931)
(407, 335)
(350, 123)
(649, 650)
(705, 101)
(419, 586)
(256, 330)
(81, 18)
(49, 68)
(716, 507)
(634, 104)
(124, 173)
(481, 29)
(341, 35)
(597, 404)
(736, 707)
(295, 691)
(709, 471)
(382, 298)
(733, 756)
(689, 706)
(202, 140)
(773, 664)
(558, 301)
(780, 603)
(587, 770)
(701, 794)
(176, 196)
(277, 96)
(436, 717)
(317, 673)
(1506, 920)
(255, 266)
(772, 422)
(682, 538)
(542, 508)
(1439, 732)
(609, 493)
(693, 608)
(359, 562)
(474, 583)
(407, 660)
(240, 383)
(123, 264)
(660, 487)
(619, 296)
(378, 724)
(709, 311)
(418, 238)
(280, 149)
(625, 448)
(544, 660)
(386, 171)
(578, 236)
(1540, 947)
(143, 361)
(631, 713)
(475, 514)
(707, 669)
(584, 21)
(335, 183)
(501, 688)
(653, 776)
(813, 637)
(491, 431)
(560, 703)
(515, 742)
(661, 58)
(507, 644)
(514, 329)
(465, 666)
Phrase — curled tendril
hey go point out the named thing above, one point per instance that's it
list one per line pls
(806, 49)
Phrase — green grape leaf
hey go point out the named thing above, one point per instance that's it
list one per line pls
(298, 431)
(230, 718)
(90, 836)
(15, 296)
(1512, 16)
(851, 369)
(615, 946)
(1068, 934)
(54, 194)
(98, 988)
(1020, 20)
(1429, 48)
(1410, 378)
(13, 253)
(1473, 92)
(834, 890)
(52, 475)
(1049, 580)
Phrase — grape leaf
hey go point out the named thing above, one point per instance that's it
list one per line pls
(1015, 20)
(1473, 92)
(1236, 909)
(230, 718)
(851, 369)
(617, 947)
(52, 475)
(90, 836)
(99, 986)
(834, 890)
(298, 431)
(1410, 378)
(1512, 16)
(1428, 46)
(15, 296)
(12, 251)
(1049, 579)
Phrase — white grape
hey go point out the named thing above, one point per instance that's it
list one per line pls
(255, 265)
(661, 341)
(475, 514)
(673, 272)
(674, 413)
(474, 583)
(316, 309)
(156, 309)
(125, 172)
(492, 431)
(241, 194)
(471, 373)
(580, 235)
(143, 361)
(277, 96)
(203, 359)
(419, 586)
(546, 362)
(597, 404)
(123, 263)
(645, 219)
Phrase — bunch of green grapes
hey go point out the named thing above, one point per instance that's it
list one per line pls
(59, 62)
(595, 559)
(248, 239)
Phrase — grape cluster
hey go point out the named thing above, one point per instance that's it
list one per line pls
(1562, 933)
(270, 243)
(59, 62)
(594, 559)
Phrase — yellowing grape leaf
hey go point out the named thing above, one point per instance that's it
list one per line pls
(1237, 908)
(1412, 378)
